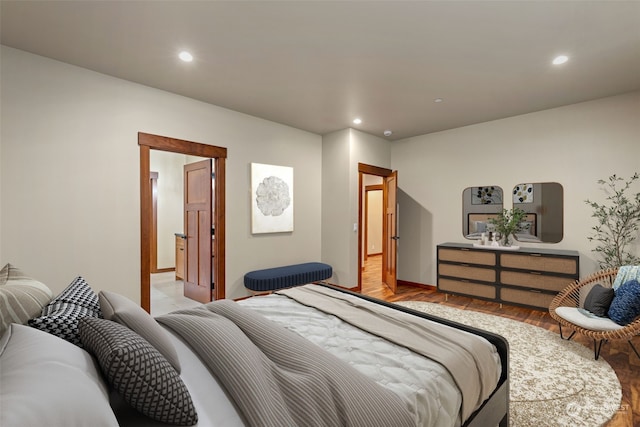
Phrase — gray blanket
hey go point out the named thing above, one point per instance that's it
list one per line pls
(468, 358)
(277, 378)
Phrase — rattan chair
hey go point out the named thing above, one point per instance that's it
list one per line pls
(574, 295)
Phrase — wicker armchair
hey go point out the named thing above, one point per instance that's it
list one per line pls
(574, 295)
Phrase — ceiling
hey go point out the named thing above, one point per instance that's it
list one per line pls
(316, 65)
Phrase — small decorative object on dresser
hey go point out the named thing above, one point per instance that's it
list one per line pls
(529, 277)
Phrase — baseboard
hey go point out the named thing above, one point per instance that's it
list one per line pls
(414, 284)
(163, 270)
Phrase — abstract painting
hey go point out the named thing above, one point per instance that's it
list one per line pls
(271, 198)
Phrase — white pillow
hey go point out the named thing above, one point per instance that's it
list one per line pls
(21, 297)
(46, 381)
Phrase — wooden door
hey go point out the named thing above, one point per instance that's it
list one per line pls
(198, 282)
(390, 254)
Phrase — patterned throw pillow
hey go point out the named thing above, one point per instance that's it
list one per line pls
(79, 293)
(61, 319)
(124, 311)
(136, 370)
(625, 306)
(21, 297)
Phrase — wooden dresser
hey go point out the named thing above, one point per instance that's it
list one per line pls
(526, 277)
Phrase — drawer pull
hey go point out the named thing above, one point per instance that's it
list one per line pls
(535, 291)
(464, 265)
(537, 273)
(464, 249)
(535, 254)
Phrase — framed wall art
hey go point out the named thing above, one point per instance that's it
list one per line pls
(271, 198)
(489, 195)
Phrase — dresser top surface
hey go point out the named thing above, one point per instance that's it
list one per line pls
(522, 250)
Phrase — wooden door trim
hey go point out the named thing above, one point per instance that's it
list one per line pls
(153, 182)
(365, 169)
(147, 142)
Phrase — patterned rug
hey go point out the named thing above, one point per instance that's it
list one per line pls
(553, 382)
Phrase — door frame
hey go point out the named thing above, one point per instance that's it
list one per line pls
(148, 142)
(364, 169)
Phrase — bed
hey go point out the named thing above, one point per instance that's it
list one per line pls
(319, 369)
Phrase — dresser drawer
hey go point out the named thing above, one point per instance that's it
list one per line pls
(531, 280)
(467, 272)
(540, 263)
(467, 288)
(467, 256)
(530, 298)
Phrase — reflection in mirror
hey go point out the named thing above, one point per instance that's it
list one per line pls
(478, 205)
(543, 203)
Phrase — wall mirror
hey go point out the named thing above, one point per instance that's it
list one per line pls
(479, 204)
(543, 203)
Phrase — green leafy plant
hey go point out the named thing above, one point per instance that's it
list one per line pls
(508, 223)
(618, 220)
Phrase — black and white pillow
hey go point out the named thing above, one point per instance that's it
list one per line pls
(61, 319)
(79, 293)
(138, 372)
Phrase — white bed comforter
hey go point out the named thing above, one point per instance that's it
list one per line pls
(425, 386)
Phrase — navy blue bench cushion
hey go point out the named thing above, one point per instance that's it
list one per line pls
(271, 279)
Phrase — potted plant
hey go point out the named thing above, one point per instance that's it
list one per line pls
(618, 220)
(508, 223)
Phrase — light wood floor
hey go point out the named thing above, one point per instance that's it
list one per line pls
(619, 355)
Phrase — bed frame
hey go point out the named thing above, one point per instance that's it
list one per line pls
(495, 410)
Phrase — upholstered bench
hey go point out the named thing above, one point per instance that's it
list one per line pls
(272, 279)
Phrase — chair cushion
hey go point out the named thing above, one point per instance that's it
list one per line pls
(598, 300)
(625, 306)
(583, 319)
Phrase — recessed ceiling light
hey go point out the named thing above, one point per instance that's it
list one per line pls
(561, 59)
(185, 56)
(438, 100)
(357, 121)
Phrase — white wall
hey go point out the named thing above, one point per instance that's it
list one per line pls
(336, 224)
(574, 145)
(70, 174)
(341, 153)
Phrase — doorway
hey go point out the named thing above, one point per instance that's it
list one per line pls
(388, 258)
(218, 155)
(372, 233)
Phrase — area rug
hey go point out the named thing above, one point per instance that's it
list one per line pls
(553, 382)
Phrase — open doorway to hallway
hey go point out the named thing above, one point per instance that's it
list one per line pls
(147, 143)
(372, 179)
(373, 217)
